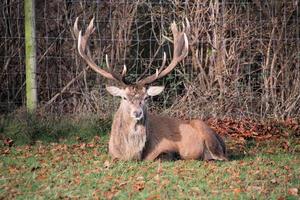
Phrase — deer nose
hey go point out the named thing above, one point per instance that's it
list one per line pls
(138, 114)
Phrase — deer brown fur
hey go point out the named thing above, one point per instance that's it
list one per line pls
(137, 134)
(128, 135)
(191, 139)
(150, 136)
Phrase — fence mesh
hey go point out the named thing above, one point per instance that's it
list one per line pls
(243, 60)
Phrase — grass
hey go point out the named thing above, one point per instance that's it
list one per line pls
(23, 129)
(71, 162)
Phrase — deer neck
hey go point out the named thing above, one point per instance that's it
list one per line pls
(130, 134)
(128, 125)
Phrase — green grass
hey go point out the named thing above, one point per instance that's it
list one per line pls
(63, 168)
(23, 129)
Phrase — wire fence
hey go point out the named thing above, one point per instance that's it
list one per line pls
(243, 60)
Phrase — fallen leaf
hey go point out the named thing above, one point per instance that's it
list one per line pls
(237, 191)
(82, 146)
(285, 145)
(90, 145)
(157, 196)
(254, 188)
(97, 138)
(42, 176)
(6, 151)
(273, 181)
(156, 177)
(106, 164)
(110, 194)
(139, 186)
(8, 142)
(123, 184)
(77, 180)
(195, 190)
(12, 170)
(140, 178)
(293, 191)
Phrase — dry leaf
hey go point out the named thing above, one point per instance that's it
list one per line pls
(293, 191)
(140, 178)
(12, 170)
(91, 145)
(157, 196)
(195, 190)
(254, 188)
(106, 164)
(237, 191)
(138, 186)
(273, 181)
(6, 151)
(8, 142)
(41, 176)
(82, 146)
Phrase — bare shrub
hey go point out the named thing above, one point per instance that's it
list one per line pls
(243, 61)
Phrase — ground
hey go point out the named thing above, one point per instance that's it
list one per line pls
(82, 169)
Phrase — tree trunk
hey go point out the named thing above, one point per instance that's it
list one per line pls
(30, 52)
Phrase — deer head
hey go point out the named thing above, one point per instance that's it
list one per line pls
(134, 95)
(134, 98)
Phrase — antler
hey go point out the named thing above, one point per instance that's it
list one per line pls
(84, 52)
(181, 47)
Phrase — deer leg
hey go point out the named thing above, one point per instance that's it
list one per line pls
(195, 152)
(214, 151)
(154, 153)
(155, 149)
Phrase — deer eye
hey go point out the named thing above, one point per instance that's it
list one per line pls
(124, 98)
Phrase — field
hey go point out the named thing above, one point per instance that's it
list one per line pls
(77, 166)
(235, 64)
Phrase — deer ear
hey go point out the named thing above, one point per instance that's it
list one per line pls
(155, 90)
(115, 91)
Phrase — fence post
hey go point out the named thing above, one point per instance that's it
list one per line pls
(30, 55)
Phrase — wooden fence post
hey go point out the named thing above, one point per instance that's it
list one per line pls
(30, 55)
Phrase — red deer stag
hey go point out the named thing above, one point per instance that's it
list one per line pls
(139, 135)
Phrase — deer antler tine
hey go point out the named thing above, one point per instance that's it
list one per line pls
(84, 51)
(156, 73)
(75, 27)
(91, 24)
(79, 42)
(174, 29)
(164, 58)
(186, 45)
(90, 29)
(124, 70)
(163, 62)
(188, 26)
(180, 51)
(107, 62)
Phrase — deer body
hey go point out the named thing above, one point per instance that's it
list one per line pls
(154, 135)
(191, 139)
(137, 135)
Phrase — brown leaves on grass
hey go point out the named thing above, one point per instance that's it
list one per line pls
(5, 151)
(42, 174)
(250, 129)
(293, 191)
(139, 186)
(8, 142)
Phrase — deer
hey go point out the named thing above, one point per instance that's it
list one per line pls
(137, 134)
